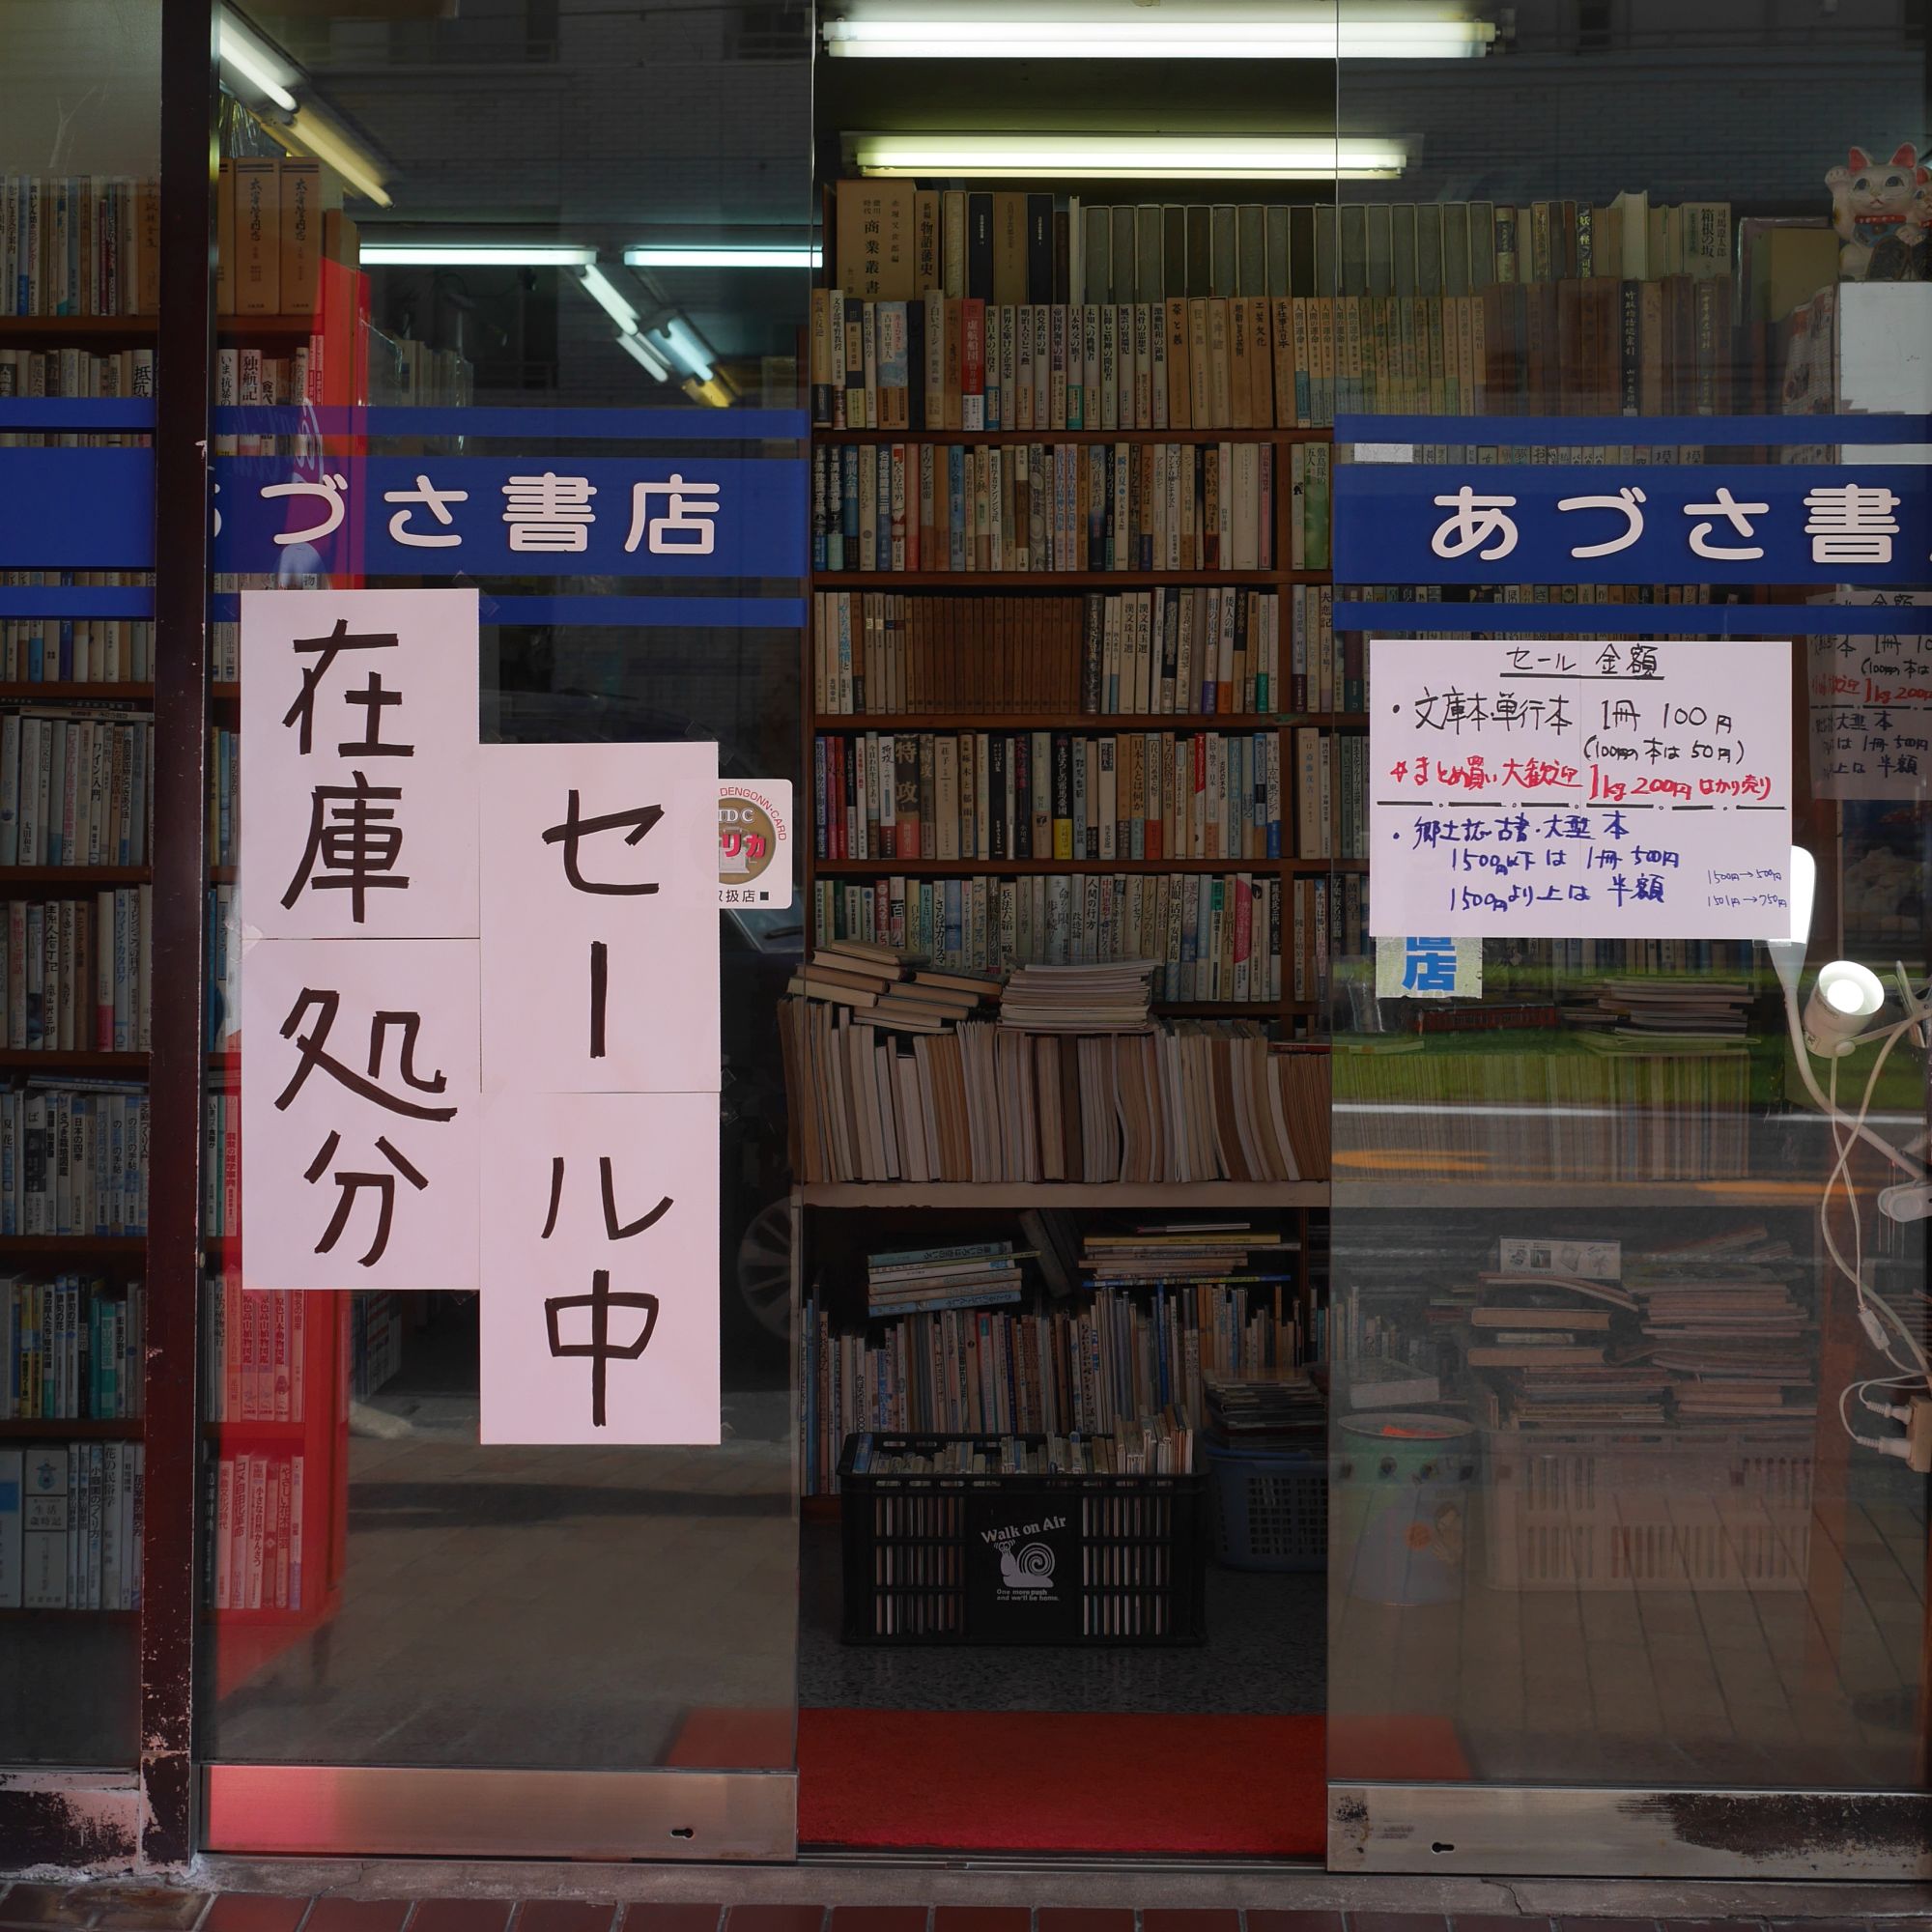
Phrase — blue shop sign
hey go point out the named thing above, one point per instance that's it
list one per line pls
(1865, 524)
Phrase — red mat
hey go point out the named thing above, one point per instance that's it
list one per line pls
(1063, 1781)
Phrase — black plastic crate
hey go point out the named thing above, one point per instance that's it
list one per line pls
(1021, 1558)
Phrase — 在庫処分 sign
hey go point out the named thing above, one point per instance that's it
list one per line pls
(480, 985)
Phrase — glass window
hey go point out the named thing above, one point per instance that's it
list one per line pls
(1622, 1300)
(79, 155)
(381, 1590)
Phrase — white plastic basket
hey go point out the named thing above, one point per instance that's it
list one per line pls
(1652, 1510)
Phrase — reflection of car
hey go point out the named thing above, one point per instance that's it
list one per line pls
(759, 949)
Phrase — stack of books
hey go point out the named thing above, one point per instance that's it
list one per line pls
(1198, 1100)
(1100, 997)
(875, 984)
(1182, 1251)
(1546, 1356)
(1286, 1412)
(1651, 1015)
(976, 1275)
(1151, 1446)
(1720, 1315)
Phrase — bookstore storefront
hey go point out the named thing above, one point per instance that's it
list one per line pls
(847, 636)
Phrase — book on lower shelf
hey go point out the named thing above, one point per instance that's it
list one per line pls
(75, 649)
(76, 971)
(71, 1349)
(1244, 938)
(256, 1357)
(255, 1550)
(75, 787)
(70, 1520)
(1046, 795)
(1087, 1369)
(73, 1158)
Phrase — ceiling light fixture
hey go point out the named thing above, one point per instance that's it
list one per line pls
(599, 288)
(685, 347)
(647, 357)
(472, 255)
(249, 59)
(328, 144)
(749, 256)
(1131, 156)
(1107, 30)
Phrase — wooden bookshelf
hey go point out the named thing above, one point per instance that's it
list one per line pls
(66, 690)
(51, 1429)
(1025, 869)
(1048, 581)
(59, 879)
(68, 1250)
(1219, 1194)
(986, 436)
(1283, 1015)
(1097, 722)
(145, 328)
(1279, 578)
(72, 1059)
(122, 1619)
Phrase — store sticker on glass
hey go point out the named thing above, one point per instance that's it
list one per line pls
(1431, 967)
(755, 843)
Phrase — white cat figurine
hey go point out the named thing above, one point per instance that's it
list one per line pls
(1869, 200)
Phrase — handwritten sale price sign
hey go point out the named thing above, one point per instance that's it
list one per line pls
(1576, 790)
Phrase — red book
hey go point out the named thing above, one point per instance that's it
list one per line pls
(972, 363)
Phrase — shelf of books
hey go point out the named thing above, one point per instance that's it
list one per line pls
(1079, 742)
(275, 1403)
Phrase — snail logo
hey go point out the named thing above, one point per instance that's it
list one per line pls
(1028, 1569)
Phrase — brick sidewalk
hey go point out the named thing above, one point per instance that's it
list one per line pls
(129, 1908)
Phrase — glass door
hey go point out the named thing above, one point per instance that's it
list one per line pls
(541, 243)
(1629, 1549)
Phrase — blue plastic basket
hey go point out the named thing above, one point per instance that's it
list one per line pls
(1270, 1508)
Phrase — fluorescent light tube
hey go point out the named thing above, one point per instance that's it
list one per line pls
(688, 349)
(1136, 157)
(471, 255)
(599, 287)
(747, 257)
(1155, 39)
(328, 144)
(647, 357)
(252, 63)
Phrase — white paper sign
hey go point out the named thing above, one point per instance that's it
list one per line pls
(1579, 788)
(1871, 703)
(359, 763)
(600, 918)
(599, 1304)
(359, 1103)
(754, 843)
(1429, 967)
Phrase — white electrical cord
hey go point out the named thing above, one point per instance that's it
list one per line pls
(1903, 1162)
(1871, 1307)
